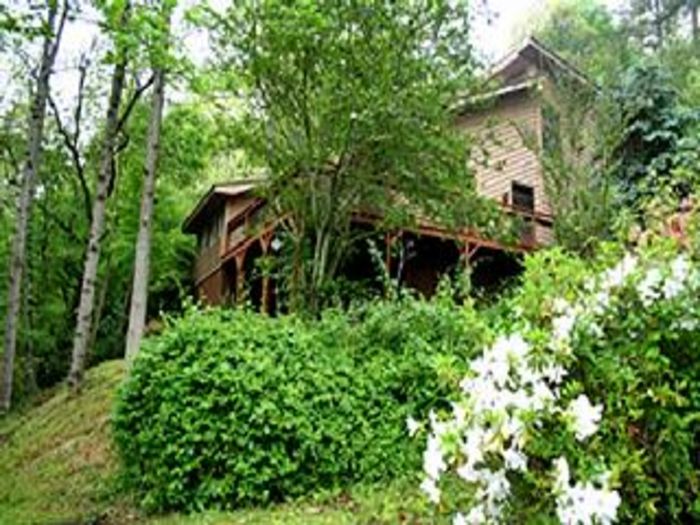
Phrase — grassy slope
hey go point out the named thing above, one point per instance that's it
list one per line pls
(57, 467)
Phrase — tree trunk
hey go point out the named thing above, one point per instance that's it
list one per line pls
(32, 164)
(100, 306)
(694, 22)
(92, 257)
(139, 288)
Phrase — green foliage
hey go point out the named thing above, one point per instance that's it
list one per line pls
(59, 225)
(585, 33)
(644, 369)
(347, 107)
(579, 136)
(231, 408)
(658, 135)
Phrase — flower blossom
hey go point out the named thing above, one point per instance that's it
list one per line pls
(433, 461)
(586, 417)
(583, 503)
(648, 288)
(412, 425)
(616, 276)
(429, 486)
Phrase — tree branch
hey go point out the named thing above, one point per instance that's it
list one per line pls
(71, 143)
(132, 102)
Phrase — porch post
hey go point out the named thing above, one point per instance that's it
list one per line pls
(265, 300)
(388, 242)
(240, 276)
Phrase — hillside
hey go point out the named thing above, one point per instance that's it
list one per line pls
(57, 467)
(56, 463)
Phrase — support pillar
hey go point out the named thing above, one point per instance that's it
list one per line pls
(240, 277)
(265, 293)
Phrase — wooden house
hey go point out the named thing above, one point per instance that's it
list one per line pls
(511, 125)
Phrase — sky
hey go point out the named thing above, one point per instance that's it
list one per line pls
(495, 39)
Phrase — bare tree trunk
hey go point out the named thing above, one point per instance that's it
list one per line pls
(92, 257)
(32, 164)
(139, 288)
(100, 306)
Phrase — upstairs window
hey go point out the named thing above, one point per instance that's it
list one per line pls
(523, 197)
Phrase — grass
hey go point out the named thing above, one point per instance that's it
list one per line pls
(58, 467)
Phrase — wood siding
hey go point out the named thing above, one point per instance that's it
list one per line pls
(503, 136)
(209, 290)
(208, 259)
(500, 155)
(206, 262)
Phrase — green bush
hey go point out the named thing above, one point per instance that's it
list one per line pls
(613, 434)
(643, 367)
(230, 408)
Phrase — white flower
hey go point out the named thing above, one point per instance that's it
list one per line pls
(560, 305)
(561, 474)
(431, 490)
(496, 489)
(672, 287)
(515, 460)
(616, 276)
(687, 325)
(585, 416)
(276, 244)
(648, 288)
(513, 428)
(600, 302)
(472, 446)
(433, 462)
(493, 367)
(541, 395)
(554, 373)
(468, 473)
(412, 425)
(563, 326)
(459, 519)
(459, 413)
(586, 504)
(517, 347)
(680, 268)
(476, 516)
(606, 502)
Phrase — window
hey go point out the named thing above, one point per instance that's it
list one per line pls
(211, 231)
(523, 197)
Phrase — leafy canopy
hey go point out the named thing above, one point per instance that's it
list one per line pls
(348, 107)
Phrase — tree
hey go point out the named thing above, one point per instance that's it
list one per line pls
(348, 108)
(658, 22)
(55, 22)
(654, 127)
(139, 288)
(580, 133)
(109, 137)
(585, 33)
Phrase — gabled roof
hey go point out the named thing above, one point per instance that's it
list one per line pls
(514, 73)
(215, 197)
(532, 52)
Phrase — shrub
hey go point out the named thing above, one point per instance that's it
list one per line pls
(586, 408)
(228, 408)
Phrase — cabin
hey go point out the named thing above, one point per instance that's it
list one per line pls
(510, 123)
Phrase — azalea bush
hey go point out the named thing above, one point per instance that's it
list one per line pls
(231, 408)
(586, 408)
